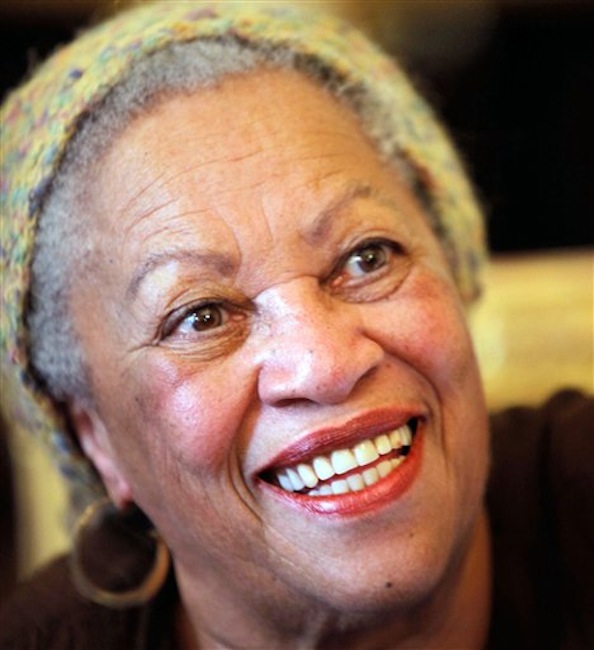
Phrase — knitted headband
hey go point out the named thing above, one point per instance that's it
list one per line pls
(39, 119)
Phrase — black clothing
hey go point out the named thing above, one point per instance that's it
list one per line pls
(541, 509)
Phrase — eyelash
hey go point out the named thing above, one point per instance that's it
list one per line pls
(388, 248)
(219, 310)
(225, 312)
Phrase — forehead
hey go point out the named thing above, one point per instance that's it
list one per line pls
(264, 157)
(244, 121)
(246, 118)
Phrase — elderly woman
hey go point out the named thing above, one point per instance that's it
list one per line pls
(236, 249)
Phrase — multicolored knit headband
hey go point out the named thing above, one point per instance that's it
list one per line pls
(39, 119)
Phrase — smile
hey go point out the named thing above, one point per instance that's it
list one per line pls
(348, 469)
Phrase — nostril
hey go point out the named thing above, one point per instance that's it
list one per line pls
(368, 375)
(287, 402)
(318, 386)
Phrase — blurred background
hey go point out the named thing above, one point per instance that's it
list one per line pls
(514, 81)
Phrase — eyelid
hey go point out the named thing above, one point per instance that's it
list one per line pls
(376, 284)
(177, 316)
(193, 311)
(394, 247)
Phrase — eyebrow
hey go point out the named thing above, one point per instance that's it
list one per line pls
(221, 262)
(225, 265)
(318, 229)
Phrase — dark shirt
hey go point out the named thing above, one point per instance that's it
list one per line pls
(541, 507)
(48, 614)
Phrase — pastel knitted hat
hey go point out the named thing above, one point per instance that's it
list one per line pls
(40, 118)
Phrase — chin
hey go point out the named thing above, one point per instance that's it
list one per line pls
(374, 576)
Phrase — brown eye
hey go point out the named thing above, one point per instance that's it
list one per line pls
(367, 259)
(201, 318)
(205, 318)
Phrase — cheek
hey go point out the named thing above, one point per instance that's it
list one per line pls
(189, 412)
(428, 333)
(425, 326)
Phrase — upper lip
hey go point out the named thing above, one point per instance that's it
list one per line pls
(346, 434)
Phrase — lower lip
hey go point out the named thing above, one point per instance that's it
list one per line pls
(386, 490)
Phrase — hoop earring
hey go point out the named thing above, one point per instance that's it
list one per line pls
(118, 560)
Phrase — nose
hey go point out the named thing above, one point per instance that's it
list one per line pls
(315, 347)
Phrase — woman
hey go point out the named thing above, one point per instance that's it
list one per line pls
(241, 246)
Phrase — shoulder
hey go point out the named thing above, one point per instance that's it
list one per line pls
(542, 459)
(47, 613)
(541, 508)
(567, 413)
(548, 447)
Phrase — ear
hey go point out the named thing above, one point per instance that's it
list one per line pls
(94, 439)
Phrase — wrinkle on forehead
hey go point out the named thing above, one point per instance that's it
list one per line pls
(318, 230)
(193, 193)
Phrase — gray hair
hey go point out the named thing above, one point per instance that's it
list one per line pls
(63, 246)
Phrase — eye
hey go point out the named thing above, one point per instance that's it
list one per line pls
(371, 271)
(206, 317)
(367, 259)
(200, 318)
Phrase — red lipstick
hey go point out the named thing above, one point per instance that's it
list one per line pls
(325, 440)
(374, 496)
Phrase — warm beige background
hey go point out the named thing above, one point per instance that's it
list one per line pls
(534, 329)
(534, 332)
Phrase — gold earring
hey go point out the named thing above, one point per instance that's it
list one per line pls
(118, 560)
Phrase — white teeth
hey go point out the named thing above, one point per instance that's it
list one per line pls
(355, 482)
(397, 461)
(406, 436)
(322, 467)
(401, 437)
(384, 468)
(339, 487)
(341, 461)
(285, 481)
(395, 439)
(365, 453)
(295, 479)
(383, 444)
(307, 475)
(370, 476)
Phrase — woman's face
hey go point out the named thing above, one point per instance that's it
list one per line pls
(266, 304)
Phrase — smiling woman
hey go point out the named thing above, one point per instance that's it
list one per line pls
(275, 321)
(252, 250)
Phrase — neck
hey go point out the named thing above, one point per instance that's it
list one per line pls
(457, 617)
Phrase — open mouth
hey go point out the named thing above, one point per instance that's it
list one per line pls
(348, 469)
